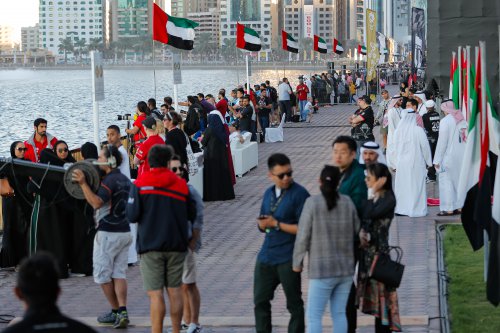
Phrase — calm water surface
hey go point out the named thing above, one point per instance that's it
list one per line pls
(63, 97)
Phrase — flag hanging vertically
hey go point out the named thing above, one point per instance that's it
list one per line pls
(372, 51)
(174, 31)
(457, 77)
(474, 187)
(337, 46)
(319, 44)
(453, 68)
(247, 38)
(361, 49)
(288, 43)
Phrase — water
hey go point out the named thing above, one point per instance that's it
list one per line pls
(63, 97)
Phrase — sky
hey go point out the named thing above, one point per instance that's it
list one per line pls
(18, 13)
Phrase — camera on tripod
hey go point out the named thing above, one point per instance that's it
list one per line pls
(126, 116)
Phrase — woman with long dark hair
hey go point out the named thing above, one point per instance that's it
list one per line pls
(327, 228)
(374, 297)
(16, 209)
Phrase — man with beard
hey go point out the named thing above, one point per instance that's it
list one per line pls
(39, 140)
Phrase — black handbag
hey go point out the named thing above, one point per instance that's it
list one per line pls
(386, 270)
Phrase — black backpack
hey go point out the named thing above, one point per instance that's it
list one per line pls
(274, 94)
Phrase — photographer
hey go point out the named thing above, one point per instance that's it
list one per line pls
(113, 237)
(138, 130)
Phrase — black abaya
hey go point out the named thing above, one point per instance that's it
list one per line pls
(217, 182)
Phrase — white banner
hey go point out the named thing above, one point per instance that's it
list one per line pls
(97, 76)
(308, 21)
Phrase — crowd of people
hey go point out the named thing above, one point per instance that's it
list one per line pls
(347, 223)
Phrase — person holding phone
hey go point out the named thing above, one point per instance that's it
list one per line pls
(279, 215)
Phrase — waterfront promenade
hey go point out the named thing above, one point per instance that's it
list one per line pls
(231, 242)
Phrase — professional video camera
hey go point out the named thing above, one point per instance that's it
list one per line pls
(126, 116)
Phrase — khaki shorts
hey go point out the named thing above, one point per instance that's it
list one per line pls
(189, 273)
(110, 255)
(162, 269)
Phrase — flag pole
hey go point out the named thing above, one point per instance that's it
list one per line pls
(460, 88)
(467, 104)
(154, 65)
(484, 119)
(248, 76)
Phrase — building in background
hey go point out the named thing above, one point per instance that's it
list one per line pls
(201, 6)
(30, 38)
(255, 14)
(209, 25)
(401, 17)
(6, 38)
(277, 23)
(77, 20)
(305, 18)
(129, 18)
(178, 8)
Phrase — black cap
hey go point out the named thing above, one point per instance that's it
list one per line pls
(149, 122)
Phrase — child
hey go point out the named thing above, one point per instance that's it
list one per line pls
(309, 108)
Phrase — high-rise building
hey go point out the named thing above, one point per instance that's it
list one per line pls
(208, 24)
(201, 6)
(277, 23)
(77, 20)
(255, 14)
(130, 18)
(383, 8)
(6, 37)
(305, 18)
(179, 8)
(30, 38)
(401, 17)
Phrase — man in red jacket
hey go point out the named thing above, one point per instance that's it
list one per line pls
(158, 204)
(39, 140)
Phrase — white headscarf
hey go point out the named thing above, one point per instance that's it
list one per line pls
(370, 145)
(405, 126)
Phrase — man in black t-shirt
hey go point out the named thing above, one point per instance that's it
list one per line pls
(362, 122)
(264, 105)
(113, 237)
(245, 115)
(431, 126)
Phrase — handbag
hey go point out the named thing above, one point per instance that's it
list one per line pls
(192, 160)
(5, 189)
(386, 270)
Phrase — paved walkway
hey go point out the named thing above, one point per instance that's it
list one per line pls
(231, 242)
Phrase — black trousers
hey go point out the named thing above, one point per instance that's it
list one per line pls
(286, 108)
(431, 172)
(351, 311)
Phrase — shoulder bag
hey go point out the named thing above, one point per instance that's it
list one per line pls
(386, 270)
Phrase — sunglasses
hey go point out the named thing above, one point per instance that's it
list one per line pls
(62, 150)
(282, 175)
(175, 169)
(21, 149)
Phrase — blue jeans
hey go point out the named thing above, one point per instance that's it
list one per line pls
(336, 290)
(303, 112)
(264, 123)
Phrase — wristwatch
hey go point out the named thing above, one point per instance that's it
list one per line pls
(277, 227)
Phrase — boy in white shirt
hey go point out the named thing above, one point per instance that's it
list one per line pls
(309, 108)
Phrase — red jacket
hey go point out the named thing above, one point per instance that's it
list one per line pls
(158, 203)
(33, 154)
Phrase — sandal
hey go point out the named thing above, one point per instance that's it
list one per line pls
(457, 212)
(443, 213)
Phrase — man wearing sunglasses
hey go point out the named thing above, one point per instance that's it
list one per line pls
(39, 140)
(279, 214)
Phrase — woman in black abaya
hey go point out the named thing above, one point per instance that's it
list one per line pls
(16, 212)
(217, 182)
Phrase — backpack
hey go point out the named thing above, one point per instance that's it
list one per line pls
(274, 94)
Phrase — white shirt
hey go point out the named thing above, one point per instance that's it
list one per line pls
(309, 107)
(125, 165)
(284, 91)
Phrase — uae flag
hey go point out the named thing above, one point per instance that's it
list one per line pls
(288, 43)
(174, 31)
(456, 78)
(247, 38)
(361, 49)
(474, 188)
(337, 47)
(453, 69)
(319, 44)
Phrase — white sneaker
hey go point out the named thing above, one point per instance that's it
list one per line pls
(193, 328)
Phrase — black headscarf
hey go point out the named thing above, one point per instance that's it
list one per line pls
(68, 159)
(13, 148)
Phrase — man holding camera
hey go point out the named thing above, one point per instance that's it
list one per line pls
(113, 237)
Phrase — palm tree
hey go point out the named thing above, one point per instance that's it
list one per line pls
(229, 49)
(80, 46)
(95, 44)
(66, 46)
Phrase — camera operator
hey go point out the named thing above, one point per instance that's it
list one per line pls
(138, 130)
(113, 236)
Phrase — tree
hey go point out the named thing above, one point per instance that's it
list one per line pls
(66, 46)
(230, 52)
(95, 44)
(79, 47)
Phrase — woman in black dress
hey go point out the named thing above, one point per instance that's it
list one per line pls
(174, 136)
(217, 182)
(16, 210)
